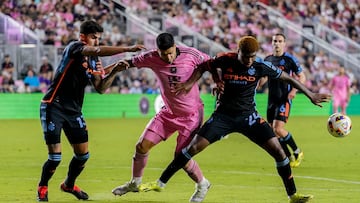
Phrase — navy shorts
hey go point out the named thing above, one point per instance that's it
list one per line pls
(54, 119)
(279, 111)
(252, 126)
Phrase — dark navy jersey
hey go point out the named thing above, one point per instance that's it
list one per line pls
(71, 77)
(279, 90)
(240, 82)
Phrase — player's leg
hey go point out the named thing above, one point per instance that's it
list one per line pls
(214, 129)
(274, 112)
(286, 139)
(270, 143)
(284, 170)
(343, 105)
(77, 134)
(336, 104)
(218, 125)
(155, 132)
(188, 127)
(51, 123)
(197, 145)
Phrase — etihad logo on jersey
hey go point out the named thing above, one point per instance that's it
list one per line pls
(235, 77)
(239, 77)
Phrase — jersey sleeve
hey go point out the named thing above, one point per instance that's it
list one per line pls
(143, 59)
(268, 69)
(200, 57)
(75, 49)
(295, 66)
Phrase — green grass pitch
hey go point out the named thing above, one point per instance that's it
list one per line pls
(239, 171)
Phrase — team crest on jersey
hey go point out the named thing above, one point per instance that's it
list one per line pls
(251, 71)
(282, 62)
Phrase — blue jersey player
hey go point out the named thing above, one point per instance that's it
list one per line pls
(61, 106)
(281, 95)
(236, 112)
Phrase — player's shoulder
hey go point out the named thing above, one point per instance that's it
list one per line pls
(74, 48)
(269, 57)
(187, 50)
(287, 55)
(226, 54)
(260, 63)
(148, 54)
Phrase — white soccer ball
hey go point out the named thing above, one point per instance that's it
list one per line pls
(339, 125)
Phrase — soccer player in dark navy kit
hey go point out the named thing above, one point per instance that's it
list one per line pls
(236, 112)
(281, 95)
(62, 104)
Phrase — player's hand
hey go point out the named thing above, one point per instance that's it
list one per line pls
(180, 88)
(317, 98)
(121, 65)
(219, 89)
(292, 94)
(137, 47)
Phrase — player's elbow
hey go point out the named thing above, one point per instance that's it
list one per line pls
(100, 90)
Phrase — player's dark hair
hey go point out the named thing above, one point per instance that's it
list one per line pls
(248, 44)
(164, 41)
(281, 34)
(90, 27)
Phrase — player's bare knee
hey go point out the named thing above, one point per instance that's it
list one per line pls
(279, 131)
(142, 148)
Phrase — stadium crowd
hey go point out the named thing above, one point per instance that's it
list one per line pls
(56, 22)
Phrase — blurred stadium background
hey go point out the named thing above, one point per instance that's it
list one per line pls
(324, 35)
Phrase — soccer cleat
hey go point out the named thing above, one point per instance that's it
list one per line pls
(297, 161)
(42, 194)
(76, 191)
(298, 198)
(152, 186)
(127, 187)
(201, 190)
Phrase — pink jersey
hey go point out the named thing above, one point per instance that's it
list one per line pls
(169, 74)
(340, 86)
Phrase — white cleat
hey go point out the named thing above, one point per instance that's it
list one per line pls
(127, 187)
(201, 190)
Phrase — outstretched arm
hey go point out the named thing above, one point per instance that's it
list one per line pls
(315, 98)
(301, 78)
(102, 83)
(109, 50)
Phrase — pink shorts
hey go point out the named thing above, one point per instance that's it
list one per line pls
(340, 102)
(165, 124)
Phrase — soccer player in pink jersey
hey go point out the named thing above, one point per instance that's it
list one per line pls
(340, 86)
(183, 113)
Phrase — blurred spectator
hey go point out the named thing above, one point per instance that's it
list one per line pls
(44, 82)
(136, 88)
(32, 82)
(25, 70)
(7, 82)
(46, 69)
(7, 65)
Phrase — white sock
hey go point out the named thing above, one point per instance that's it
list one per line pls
(160, 183)
(137, 180)
(203, 181)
